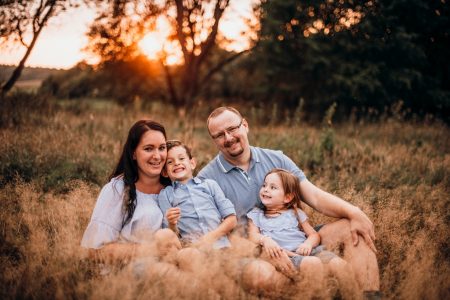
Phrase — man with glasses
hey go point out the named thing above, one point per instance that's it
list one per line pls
(239, 169)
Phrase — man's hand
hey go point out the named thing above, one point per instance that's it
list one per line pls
(172, 215)
(361, 224)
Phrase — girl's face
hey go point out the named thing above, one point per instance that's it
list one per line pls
(272, 193)
(150, 154)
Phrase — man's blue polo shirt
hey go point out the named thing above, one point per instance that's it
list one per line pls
(242, 187)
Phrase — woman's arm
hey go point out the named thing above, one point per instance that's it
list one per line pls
(334, 206)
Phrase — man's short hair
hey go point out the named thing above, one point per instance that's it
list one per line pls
(220, 110)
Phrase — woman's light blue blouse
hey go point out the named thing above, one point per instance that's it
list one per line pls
(106, 221)
(283, 229)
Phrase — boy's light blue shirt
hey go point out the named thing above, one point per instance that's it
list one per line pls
(203, 207)
(241, 187)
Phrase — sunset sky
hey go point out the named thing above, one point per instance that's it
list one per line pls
(62, 40)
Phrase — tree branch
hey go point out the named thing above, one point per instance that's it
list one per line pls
(210, 41)
(169, 82)
(180, 33)
(220, 66)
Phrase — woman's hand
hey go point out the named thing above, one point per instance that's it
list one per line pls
(172, 215)
(304, 249)
(271, 248)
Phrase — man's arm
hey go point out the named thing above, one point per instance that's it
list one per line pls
(334, 206)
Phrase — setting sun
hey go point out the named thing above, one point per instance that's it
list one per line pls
(151, 45)
(156, 44)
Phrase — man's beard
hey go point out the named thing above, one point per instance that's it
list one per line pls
(231, 143)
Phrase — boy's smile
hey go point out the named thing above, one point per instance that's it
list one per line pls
(179, 166)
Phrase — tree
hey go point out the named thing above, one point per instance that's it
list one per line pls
(195, 29)
(21, 18)
(360, 54)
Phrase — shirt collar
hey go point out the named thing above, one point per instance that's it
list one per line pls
(195, 180)
(226, 167)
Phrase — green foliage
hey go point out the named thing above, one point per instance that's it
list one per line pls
(19, 108)
(125, 81)
(298, 115)
(388, 51)
(54, 171)
(28, 73)
(326, 144)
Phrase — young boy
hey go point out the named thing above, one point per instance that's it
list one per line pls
(196, 209)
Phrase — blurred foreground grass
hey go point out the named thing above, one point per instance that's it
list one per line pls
(56, 156)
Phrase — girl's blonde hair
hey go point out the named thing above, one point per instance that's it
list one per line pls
(291, 186)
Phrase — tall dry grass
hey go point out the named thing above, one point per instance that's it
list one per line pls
(53, 165)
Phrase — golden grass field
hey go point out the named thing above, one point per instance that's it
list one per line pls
(54, 160)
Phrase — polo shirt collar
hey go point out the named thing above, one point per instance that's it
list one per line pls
(226, 167)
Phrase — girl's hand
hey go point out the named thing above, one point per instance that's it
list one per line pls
(172, 215)
(304, 249)
(271, 248)
(284, 265)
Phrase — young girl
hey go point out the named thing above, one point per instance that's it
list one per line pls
(282, 228)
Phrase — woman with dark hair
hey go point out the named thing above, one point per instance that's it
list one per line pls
(126, 214)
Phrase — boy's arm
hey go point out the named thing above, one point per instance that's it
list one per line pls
(172, 216)
(223, 229)
(254, 234)
(222, 203)
(226, 211)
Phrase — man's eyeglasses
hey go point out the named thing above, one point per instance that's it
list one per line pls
(229, 130)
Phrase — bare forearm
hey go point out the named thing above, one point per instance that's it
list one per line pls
(326, 203)
(224, 228)
(313, 240)
(174, 228)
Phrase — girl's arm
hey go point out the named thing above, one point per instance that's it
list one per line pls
(313, 239)
(271, 247)
(281, 261)
(223, 229)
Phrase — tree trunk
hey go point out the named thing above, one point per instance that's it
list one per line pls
(18, 71)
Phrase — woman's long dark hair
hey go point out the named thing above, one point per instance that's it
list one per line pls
(127, 166)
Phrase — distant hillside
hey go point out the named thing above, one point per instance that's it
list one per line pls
(28, 73)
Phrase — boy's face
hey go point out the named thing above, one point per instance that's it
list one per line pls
(178, 165)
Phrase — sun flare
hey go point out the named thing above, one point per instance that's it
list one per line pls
(156, 44)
